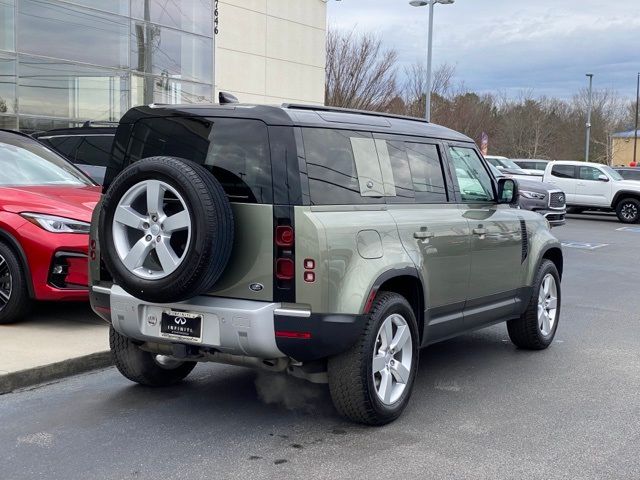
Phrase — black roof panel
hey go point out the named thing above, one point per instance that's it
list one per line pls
(304, 116)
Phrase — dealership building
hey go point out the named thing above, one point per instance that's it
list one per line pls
(65, 62)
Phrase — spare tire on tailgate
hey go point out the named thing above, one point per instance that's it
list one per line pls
(166, 229)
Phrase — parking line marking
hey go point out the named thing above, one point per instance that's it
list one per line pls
(629, 229)
(584, 245)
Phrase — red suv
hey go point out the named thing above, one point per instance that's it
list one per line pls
(45, 210)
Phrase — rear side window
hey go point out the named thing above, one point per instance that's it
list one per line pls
(236, 151)
(563, 171)
(332, 170)
(94, 150)
(66, 146)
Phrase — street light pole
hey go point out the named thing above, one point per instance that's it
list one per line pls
(589, 107)
(431, 3)
(635, 133)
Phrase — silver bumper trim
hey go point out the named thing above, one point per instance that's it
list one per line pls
(233, 326)
(291, 312)
(99, 289)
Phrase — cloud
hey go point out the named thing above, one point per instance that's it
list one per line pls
(510, 45)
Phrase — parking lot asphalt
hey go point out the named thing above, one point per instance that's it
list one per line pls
(480, 409)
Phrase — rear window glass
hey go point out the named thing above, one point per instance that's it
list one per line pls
(236, 151)
(563, 171)
(331, 166)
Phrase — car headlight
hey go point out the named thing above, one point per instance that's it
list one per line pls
(533, 195)
(54, 224)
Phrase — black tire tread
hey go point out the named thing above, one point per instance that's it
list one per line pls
(523, 331)
(19, 302)
(140, 367)
(348, 374)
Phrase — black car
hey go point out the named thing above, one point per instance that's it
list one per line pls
(88, 147)
(629, 173)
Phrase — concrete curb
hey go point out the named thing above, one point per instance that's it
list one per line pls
(54, 371)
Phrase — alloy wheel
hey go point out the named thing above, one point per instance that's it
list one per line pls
(547, 304)
(392, 359)
(629, 211)
(151, 229)
(6, 283)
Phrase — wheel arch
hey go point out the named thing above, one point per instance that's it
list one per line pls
(14, 245)
(406, 282)
(555, 255)
(622, 194)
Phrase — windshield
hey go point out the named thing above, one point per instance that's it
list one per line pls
(612, 173)
(25, 162)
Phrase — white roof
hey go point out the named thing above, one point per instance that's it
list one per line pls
(574, 162)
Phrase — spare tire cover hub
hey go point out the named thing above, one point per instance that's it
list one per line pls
(152, 229)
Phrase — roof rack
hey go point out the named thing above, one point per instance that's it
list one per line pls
(322, 108)
(98, 123)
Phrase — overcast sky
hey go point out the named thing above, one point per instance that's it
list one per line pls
(512, 45)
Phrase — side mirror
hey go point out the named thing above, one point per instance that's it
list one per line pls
(603, 178)
(507, 191)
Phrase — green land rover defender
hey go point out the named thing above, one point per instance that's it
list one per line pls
(325, 243)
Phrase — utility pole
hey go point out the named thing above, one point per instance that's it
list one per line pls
(635, 133)
(589, 107)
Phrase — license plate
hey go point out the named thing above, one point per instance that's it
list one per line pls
(181, 326)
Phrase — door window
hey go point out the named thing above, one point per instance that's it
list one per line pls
(473, 179)
(401, 173)
(589, 173)
(426, 173)
(563, 171)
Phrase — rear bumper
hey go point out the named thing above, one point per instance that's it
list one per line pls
(239, 327)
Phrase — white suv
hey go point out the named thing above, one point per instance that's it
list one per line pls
(594, 186)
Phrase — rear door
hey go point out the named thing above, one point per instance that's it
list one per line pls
(590, 190)
(496, 240)
(432, 229)
(237, 152)
(565, 178)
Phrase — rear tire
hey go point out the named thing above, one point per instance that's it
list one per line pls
(628, 210)
(356, 390)
(143, 367)
(531, 331)
(14, 294)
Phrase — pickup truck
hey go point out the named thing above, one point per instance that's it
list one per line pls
(594, 186)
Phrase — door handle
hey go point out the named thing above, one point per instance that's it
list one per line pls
(423, 234)
(480, 231)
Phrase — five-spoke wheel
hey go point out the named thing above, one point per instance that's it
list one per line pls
(151, 229)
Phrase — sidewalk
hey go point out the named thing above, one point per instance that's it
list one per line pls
(57, 340)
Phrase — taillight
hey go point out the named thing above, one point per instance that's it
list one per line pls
(284, 252)
(284, 236)
(285, 269)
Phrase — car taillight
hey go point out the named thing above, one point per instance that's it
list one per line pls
(284, 236)
(284, 253)
(285, 269)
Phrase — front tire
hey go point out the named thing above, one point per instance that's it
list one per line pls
(628, 210)
(536, 327)
(14, 295)
(371, 383)
(143, 367)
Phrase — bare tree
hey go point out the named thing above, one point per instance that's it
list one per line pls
(415, 87)
(360, 73)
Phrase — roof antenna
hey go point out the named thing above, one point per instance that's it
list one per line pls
(225, 98)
